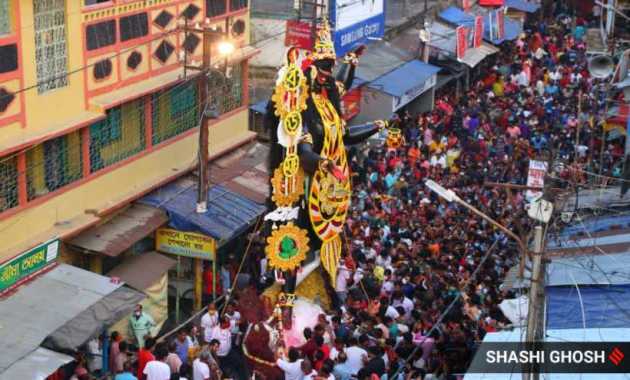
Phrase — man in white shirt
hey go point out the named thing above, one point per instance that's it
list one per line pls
(341, 285)
(157, 369)
(223, 334)
(400, 300)
(209, 321)
(356, 354)
(201, 369)
(293, 367)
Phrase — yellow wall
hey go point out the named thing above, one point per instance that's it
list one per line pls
(59, 104)
(67, 211)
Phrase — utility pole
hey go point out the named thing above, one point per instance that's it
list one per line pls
(209, 35)
(578, 125)
(535, 310)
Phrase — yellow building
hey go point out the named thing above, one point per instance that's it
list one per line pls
(95, 111)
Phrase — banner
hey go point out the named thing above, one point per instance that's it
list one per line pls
(187, 244)
(462, 41)
(351, 103)
(355, 22)
(478, 31)
(501, 23)
(28, 264)
(535, 178)
(299, 34)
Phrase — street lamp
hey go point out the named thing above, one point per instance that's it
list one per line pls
(450, 196)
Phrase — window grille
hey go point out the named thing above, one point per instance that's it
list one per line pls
(226, 94)
(5, 17)
(8, 183)
(215, 7)
(175, 111)
(53, 164)
(50, 44)
(235, 5)
(119, 136)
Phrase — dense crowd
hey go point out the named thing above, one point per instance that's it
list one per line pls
(419, 286)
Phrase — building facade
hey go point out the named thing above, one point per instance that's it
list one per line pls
(95, 110)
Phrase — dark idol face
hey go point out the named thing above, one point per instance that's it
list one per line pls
(325, 66)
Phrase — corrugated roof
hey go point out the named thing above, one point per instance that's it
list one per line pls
(120, 232)
(43, 305)
(404, 78)
(244, 171)
(610, 269)
(229, 214)
(522, 5)
(37, 365)
(141, 271)
(379, 59)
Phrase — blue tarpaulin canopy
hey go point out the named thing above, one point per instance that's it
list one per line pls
(458, 17)
(404, 78)
(229, 214)
(260, 107)
(522, 5)
(594, 306)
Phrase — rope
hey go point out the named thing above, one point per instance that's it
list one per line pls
(240, 267)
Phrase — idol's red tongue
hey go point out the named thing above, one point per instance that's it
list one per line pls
(338, 173)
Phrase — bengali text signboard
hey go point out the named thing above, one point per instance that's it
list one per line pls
(28, 264)
(299, 34)
(535, 178)
(188, 244)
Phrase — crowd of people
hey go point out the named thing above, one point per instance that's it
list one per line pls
(419, 286)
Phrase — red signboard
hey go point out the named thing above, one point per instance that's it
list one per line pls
(491, 3)
(501, 22)
(298, 34)
(351, 103)
(462, 41)
(478, 31)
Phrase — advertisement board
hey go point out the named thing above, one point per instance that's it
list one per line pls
(356, 21)
(299, 34)
(535, 178)
(501, 23)
(462, 41)
(187, 244)
(478, 31)
(28, 264)
(351, 103)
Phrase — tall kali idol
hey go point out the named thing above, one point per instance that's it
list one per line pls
(311, 188)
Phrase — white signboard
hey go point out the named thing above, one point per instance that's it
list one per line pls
(414, 92)
(355, 21)
(535, 178)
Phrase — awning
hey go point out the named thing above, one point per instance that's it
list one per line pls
(522, 5)
(458, 17)
(405, 78)
(379, 59)
(53, 304)
(244, 171)
(141, 271)
(121, 232)
(474, 56)
(37, 365)
(229, 214)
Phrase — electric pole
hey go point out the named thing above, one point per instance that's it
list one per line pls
(535, 310)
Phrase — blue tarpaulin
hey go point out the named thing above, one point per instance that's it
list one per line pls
(229, 214)
(405, 78)
(522, 5)
(458, 17)
(601, 306)
(260, 107)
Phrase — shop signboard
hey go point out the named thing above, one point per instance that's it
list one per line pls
(462, 41)
(414, 92)
(28, 264)
(478, 31)
(535, 178)
(299, 34)
(187, 244)
(355, 22)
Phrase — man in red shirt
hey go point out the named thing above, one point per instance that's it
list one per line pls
(145, 355)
